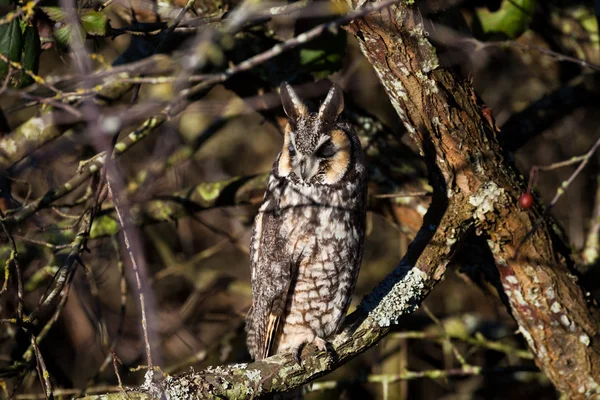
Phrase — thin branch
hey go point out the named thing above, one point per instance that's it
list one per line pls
(65, 274)
(26, 9)
(479, 341)
(14, 260)
(111, 356)
(42, 370)
(591, 251)
(427, 374)
(124, 219)
(447, 340)
(565, 185)
(68, 392)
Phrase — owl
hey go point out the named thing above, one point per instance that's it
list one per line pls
(307, 239)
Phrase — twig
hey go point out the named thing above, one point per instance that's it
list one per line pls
(547, 52)
(124, 219)
(14, 258)
(565, 185)
(26, 9)
(189, 5)
(479, 340)
(591, 251)
(479, 45)
(68, 392)
(65, 274)
(582, 160)
(430, 374)
(36, 78)
(122, 310)
(117, 360)
(42, 243)
(42, 371)
(30, 352)
(105, 4)
(436, 321)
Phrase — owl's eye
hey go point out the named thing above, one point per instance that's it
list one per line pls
(291, 150)
(326, 150)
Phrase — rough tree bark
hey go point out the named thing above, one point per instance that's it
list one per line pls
(444, 115)
(475, 192)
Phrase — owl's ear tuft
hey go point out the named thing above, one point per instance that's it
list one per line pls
(292, 105)
(333, 105)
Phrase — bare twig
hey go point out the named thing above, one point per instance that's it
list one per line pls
(69, 392)
(26, 9)
(14, 259)
(448, 341)
(122, 310)
(137, 264)
(65, 273)
(479, 341)
(42, 370)
(583, 160)
(591, 251)
(427, 374)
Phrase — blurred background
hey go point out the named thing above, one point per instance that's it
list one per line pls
(191, 185)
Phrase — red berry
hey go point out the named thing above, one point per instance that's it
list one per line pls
(526, 200)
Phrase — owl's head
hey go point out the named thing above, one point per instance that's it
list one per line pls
(316, 150)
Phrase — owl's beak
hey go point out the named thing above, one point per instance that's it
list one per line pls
(306, 168)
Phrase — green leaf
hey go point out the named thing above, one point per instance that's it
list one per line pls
(308, 56)
(10, 44)
(511, 19)
(72, 35)
(63, 34)
(31, 54)
(94, 23)
(56, 14)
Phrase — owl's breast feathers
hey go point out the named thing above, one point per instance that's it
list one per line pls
(306, 251)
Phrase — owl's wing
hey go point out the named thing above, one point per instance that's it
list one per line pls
(269, 291)
(272, 272)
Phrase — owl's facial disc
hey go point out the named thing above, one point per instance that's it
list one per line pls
(305, 167)
(325, 163)
(315, 151)
(297, 159)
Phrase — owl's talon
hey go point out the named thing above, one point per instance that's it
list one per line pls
(320, 343)
(297, 354)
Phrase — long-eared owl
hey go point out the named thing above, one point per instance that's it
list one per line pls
(307, 241)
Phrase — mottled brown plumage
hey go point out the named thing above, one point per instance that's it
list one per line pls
(307, 241)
